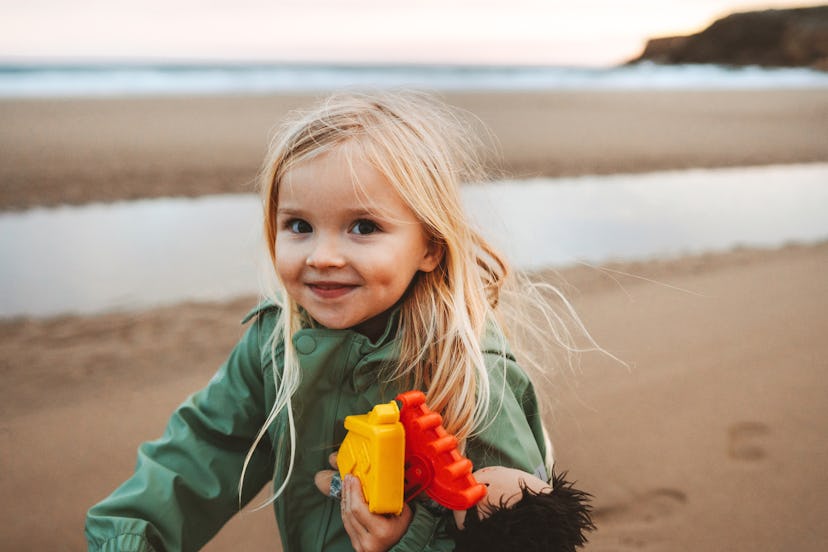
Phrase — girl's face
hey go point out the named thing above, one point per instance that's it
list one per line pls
(347, 252)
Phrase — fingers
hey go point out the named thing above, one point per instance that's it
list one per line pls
(355, 504)
(328, 482)
(369, 532)
(352, 501)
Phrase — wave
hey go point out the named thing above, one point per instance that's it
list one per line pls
(141, 80)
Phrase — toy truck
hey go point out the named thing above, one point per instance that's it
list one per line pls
(401, 449)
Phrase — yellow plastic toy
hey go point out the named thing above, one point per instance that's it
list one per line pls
(374, 451)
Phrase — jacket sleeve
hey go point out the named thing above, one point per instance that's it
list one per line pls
(185, 485)
(512, 436)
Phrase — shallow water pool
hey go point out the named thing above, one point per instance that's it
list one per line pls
(146, 253)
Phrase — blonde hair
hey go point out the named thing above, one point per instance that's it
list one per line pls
(425, 150)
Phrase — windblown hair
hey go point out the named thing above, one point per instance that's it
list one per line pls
(555, 520)
(425, 150)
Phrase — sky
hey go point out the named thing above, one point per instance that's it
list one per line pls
(532, 32)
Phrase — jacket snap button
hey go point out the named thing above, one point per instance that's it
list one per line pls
(305, 344)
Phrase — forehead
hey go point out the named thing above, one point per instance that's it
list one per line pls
(340, 178)
(341, 167)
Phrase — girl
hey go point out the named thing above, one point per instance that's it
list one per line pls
(381, 286)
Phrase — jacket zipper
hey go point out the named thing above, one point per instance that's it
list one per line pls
(329, 508)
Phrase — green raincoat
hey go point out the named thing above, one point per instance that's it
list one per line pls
(185, 485)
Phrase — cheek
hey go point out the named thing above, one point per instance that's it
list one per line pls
(401, 264)
(396, 278)
(288, 262)
(281, 271)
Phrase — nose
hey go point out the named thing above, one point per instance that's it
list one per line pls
(326, 253)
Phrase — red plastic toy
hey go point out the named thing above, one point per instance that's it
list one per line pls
(432, 461)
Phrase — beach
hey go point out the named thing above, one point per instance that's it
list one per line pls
(79, 150)
(711, 434)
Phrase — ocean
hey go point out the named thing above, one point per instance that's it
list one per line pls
(50, 81)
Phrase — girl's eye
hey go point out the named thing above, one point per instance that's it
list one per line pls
(299, 226)
(364, 227)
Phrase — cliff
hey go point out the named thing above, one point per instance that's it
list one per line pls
(795, 37)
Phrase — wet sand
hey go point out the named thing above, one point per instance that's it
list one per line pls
(713, 438)
(75, 151)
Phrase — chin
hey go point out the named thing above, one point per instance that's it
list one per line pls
(334, 323)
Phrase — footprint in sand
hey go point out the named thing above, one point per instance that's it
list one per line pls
(648, 507)
(745, 441)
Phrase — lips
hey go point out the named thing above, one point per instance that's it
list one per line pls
(330, 290)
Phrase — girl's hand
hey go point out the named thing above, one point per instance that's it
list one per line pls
(370, 532)
(324, 478)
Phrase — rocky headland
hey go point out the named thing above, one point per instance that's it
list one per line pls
(796, 37)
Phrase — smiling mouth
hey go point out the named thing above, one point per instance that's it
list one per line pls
(328, 290)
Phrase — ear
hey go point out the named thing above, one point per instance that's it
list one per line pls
(433, 255)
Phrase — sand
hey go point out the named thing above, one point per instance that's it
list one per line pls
(713, 437)
(75, 151)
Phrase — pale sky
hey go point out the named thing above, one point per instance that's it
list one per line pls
(549, 32)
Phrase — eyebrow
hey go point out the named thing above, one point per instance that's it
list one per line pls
(360, 212)
(288, 211)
